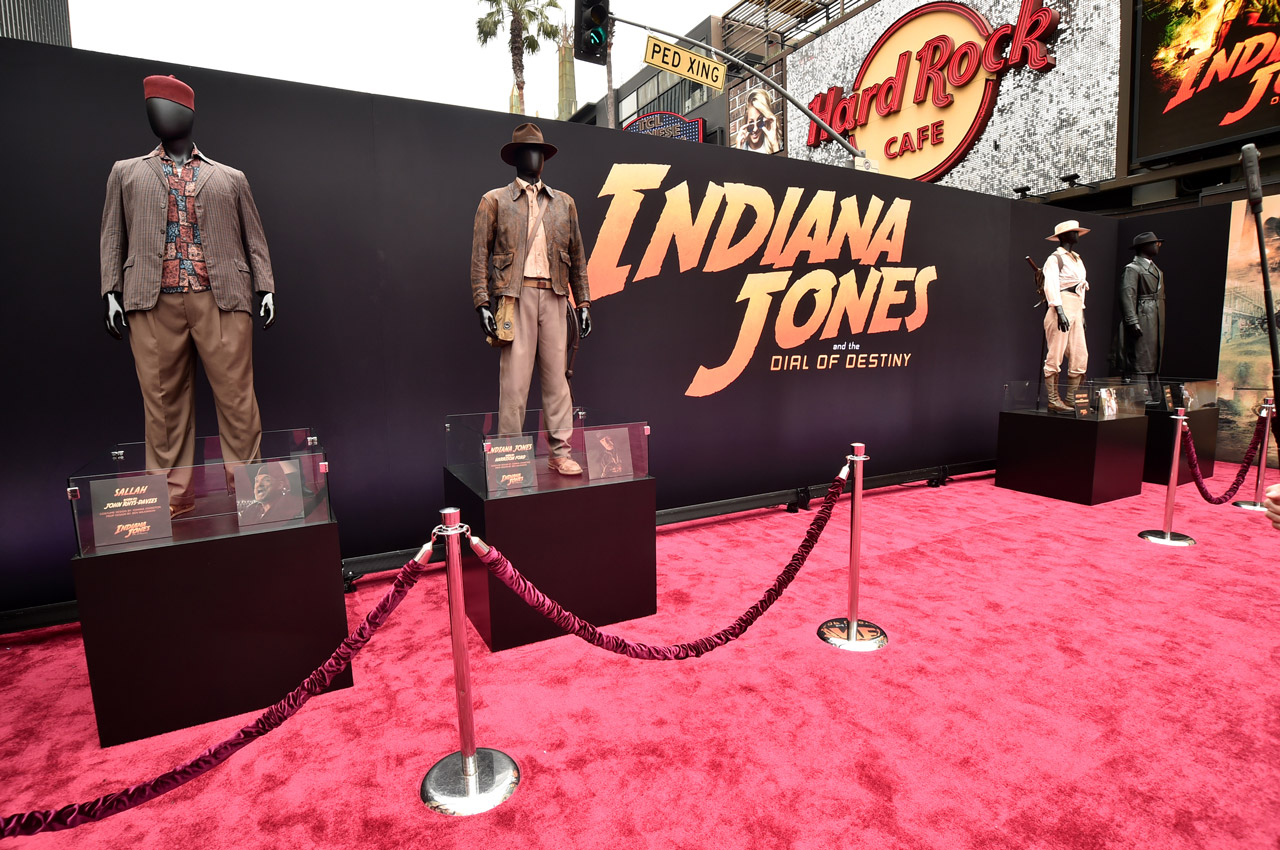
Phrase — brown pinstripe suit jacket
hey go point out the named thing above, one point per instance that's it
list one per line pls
(134, 219)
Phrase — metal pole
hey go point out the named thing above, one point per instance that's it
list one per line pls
(471, 780)
(1259, 493)
(849, 632)
(855, 536)
(1168, 536)
(837, 137)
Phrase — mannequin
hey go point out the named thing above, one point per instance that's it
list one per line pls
(1142, 307)
(534, 273)
(183, 256)
(1064, 289)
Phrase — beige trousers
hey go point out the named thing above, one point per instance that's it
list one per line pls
(1069, 344)
(541, 337)
(165, 341)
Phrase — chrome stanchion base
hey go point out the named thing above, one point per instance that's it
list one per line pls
(444, 789)
(1173, 538)
(1249, 505)
(869, 638)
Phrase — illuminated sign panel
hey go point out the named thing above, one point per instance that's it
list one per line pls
(928, 86)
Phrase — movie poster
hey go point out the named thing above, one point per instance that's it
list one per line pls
(1244, 357)
(756, 112)
(1205, 73)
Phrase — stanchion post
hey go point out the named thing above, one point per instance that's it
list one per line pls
(472, 780)
(1259, 493)
(1167, 536)
(850, 632)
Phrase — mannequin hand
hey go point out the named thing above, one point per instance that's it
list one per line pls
(1064, 324)
(114, 315)
(1136, 330)
(487, 321)
(267, 310)
(584, 321)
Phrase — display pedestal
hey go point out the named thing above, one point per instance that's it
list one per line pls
(183, 634)
(1161, 428)
(592, 548)
(1088, 461)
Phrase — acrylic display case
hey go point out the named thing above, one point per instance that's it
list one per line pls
(585, 540)
(1199, 397)
(1090, 455)
(118, 504)
(215, 612)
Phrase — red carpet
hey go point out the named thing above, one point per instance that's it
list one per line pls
(1051, 681)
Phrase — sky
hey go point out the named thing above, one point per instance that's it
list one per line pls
(420, 49)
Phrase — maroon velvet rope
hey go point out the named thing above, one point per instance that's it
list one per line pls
(571, 623)
(67, 817)
(1189, 446)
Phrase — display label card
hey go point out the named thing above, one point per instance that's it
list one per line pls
(1080, 401)
(608, 453)
(268, 492)
(130, 509)
(508, 463)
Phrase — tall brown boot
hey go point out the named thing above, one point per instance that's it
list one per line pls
(1073, 384)
(1055, 403)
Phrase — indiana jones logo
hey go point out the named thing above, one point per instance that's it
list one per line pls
(750, 227)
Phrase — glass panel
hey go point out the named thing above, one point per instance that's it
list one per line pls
(507, 465)
(117, 503)
(1100, 399)
(628, 105)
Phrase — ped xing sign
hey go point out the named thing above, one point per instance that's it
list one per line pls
(685, 63)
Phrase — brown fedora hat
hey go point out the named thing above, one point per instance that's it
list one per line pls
(526, 134)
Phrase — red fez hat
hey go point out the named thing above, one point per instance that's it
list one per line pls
(169, 88)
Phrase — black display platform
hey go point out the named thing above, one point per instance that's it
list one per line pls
(1087, 461)
(184, 634)
(1161, 429)
(592, 548)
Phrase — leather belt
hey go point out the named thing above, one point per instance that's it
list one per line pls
(537, 283)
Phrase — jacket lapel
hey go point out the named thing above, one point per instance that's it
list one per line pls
(153, 162)
(207, 167)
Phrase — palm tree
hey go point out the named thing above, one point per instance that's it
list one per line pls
(528, 22)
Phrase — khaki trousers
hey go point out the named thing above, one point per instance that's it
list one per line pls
(1071, 344)
(541, 337)
(165, 341)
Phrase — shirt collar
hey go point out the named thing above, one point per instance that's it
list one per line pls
(524, 185)
(160, 152)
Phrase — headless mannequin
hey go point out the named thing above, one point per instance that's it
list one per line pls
(172, 123)
(1150, 251)
(529, 161)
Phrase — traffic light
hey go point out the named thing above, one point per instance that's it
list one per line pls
(591, 33)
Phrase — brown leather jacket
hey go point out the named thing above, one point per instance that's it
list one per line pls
(498, 245)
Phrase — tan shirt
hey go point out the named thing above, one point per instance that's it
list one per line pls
(1071, 277)
(535, 263)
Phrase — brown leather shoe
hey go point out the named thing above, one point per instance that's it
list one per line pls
(176, 511)
(564, 466)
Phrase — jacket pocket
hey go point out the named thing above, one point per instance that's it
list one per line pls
(241, 265)
(564, 257)
(502, 261)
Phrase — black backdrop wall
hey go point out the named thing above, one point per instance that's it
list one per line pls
(368, 203)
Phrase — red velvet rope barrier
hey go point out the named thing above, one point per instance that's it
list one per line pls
(1189, 446)
(67, 817)
(571, 623)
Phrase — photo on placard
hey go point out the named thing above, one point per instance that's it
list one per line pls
(1108, 404)
(268, 492)
(608, 453)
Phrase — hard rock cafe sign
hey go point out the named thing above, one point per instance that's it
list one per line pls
(928, 86)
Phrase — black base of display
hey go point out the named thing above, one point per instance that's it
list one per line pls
(1161, 429)
(593, 549)
(1077, 460)
(184, 634)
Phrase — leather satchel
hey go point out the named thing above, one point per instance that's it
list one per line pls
(504, 316)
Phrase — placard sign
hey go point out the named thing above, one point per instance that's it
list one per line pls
(268, 491)
(609, 453)
(130, 509)
(508, 463)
